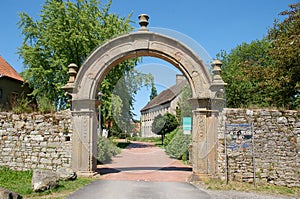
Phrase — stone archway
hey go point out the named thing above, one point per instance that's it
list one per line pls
(83, 90)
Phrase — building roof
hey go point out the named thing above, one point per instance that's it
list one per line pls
(6, 70)
(166, 96)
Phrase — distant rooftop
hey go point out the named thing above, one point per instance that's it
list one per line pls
(167, 95)
(7, 70)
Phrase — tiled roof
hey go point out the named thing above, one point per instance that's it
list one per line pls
(8, 71)
(166, 96)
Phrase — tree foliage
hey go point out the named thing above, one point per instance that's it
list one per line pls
(164, 124)
(178, 145)
(247, 72)
(153, 91)
(184, 106)
(65, 33)
(285, 52)
(123, 99)
(265, 73)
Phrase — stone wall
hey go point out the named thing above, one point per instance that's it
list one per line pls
(29, 141)
(276, 153)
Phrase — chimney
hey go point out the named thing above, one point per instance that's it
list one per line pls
(179, 78)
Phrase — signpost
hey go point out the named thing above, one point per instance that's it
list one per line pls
(240, 137)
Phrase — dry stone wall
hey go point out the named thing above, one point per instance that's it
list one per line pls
(275, 157)
(29, 141)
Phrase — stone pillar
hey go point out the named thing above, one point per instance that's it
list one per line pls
(204, 144)
(84, 140)
(199, 151)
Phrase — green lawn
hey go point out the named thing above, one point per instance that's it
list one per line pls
(20, 182)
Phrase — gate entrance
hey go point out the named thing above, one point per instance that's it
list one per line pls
(206, 94)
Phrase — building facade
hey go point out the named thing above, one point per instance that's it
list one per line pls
(166, 101)
(12, 86)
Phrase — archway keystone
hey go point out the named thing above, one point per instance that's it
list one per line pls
(144, 43)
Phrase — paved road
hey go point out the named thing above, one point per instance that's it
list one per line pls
(141, 171)
(113, 189)
(145, 162)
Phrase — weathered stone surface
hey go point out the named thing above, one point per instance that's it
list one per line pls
(276, 145)
(29, 144)
(43, 180)
(66, 174)
(7, 194)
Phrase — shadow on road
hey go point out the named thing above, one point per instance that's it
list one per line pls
(103, 171)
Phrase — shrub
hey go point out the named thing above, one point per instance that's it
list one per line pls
(177, 148)
(106, 150)
(169, 137)
(45, 105)
(21, 105)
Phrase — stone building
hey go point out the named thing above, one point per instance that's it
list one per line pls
(11, 86)
(166, 101)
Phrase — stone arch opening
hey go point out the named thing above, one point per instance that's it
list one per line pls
(204, 86)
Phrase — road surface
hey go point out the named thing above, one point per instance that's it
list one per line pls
(141, 171)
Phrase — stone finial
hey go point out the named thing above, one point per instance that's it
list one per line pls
(143, 22)
(72, 76)
(216, 65)
(72, 72)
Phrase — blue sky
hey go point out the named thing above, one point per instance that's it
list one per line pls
(213, 24)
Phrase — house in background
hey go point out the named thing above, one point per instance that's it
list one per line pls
(12, 86)
(166, 101)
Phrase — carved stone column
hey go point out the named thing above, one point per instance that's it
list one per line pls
(84, 140)
(199, 149)
(204, 145)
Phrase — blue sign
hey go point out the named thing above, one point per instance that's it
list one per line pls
(187, 123)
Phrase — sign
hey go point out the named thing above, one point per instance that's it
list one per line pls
(186, 125)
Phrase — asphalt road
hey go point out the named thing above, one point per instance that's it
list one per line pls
(115, 189)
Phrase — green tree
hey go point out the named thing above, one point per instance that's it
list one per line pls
(65, 33)
(184, 106)
(153, 91)
(250, 78)
(285, 52)
(265, 73)
(123, 98)
(164, 124)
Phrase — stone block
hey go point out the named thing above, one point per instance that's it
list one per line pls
(7, 194)
(43, 180)
(66, 174)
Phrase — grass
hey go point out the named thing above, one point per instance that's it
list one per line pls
(20, 182)
(155, 140)
(247, 187)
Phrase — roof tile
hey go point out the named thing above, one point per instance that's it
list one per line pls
(166, 96)
(7, 70)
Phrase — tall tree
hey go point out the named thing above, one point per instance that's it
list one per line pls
(65, 33)
(153, 91)
(265, 72)
(247, 71)
(123, 98)
(285, 52)
(184, 106)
